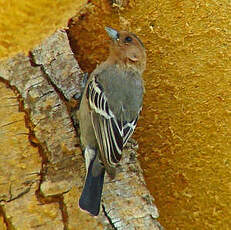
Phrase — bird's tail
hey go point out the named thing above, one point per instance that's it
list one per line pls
(91, 195)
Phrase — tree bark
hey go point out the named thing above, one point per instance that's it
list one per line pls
(42, 170)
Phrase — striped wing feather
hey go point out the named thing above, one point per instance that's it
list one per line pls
(111, 134)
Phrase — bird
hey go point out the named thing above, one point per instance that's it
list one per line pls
(109, 110)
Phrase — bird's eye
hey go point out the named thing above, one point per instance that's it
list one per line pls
(128, 39)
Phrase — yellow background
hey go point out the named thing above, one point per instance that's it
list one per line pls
(24, 23)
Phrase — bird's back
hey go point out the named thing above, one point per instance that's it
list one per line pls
(124, 91)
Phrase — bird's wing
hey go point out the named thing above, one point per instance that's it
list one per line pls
(128, 128)
(108, 130)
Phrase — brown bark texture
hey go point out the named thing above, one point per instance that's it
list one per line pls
(41, 164)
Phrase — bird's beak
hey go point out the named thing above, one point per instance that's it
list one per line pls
(113, 34)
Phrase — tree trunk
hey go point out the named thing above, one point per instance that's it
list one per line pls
(41, 164)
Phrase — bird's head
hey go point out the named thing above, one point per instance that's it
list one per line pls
(126, 49)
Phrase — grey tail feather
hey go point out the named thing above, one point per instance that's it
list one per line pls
(91, 195)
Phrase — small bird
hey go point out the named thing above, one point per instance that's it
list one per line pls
(109, 110)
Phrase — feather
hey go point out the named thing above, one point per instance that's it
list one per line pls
(111, 132)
